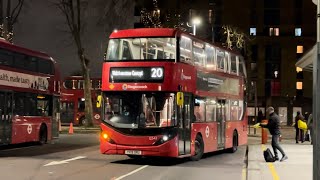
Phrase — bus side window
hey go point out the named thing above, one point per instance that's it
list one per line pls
(18, 105)
(126, 52)
(198, 55)
(210, 110)
(30, 105)
(44, 105)
(209, 52)
(220, 60)
(199, 110)
(197, 115)
(6, 57)
(227, 62)
(233, 64)
(185, 50)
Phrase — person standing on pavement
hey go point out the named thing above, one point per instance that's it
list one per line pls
(299, 132)
(274, 128)
(310, 126)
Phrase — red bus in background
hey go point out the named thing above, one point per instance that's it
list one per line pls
(168, 93)
(29, 95)
(73, 102)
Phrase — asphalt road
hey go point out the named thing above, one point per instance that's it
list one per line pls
(77, 157)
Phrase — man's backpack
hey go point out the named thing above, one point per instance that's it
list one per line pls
(268, 156)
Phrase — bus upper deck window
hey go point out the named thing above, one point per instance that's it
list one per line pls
(220, 60)
(126, 52)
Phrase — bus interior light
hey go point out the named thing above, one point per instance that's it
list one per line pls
(40, 97)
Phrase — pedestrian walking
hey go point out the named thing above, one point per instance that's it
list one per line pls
(274, 128)
(299, 132)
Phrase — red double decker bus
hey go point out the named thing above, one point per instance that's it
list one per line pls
(73, 101)
(29, 95)
(168, 93)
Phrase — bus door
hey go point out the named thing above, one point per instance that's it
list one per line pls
(184, 116)
(55, 117)
(5, 117)
(221, 122)
(67, 112)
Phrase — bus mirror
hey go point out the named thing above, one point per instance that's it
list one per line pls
(99, 98)
(180, 99)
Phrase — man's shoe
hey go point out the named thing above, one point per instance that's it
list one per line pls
(284, 158)
(276, 158)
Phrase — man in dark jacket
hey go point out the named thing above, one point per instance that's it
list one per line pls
(274, 128)
(299, 132)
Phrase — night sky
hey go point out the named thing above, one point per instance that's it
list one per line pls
(42, 27)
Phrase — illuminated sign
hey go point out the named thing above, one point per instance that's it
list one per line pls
(136, 74)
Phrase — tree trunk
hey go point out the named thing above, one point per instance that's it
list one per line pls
(1, 20)
(87, 91)
(8, 21)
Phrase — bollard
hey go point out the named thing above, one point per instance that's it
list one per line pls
(264, 132)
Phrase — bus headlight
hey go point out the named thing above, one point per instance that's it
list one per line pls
(165, 138)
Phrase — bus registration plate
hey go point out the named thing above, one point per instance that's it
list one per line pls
(132, 152)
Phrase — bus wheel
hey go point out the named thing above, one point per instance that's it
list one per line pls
(82, 121)
(234, 143)
(43, 134)
(198, 148)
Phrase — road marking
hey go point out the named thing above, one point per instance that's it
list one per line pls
(244, 173)
(132, 172)
(64, 161)
(271, 166)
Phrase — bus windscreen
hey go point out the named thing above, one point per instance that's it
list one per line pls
(141, 49)
(141, 110)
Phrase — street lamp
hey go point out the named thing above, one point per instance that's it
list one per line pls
(196, 21)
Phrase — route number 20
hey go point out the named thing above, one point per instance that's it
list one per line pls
(156, 72)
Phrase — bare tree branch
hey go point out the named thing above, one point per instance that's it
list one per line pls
(14, 15)
(79, 16)
(8, 10)
(63, 6)
(72, 12)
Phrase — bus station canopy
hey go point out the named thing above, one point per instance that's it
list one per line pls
(306, 62)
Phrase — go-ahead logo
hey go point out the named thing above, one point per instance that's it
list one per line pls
(124, 86)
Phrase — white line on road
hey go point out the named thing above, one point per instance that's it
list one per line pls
(64, 161)
(132, 172)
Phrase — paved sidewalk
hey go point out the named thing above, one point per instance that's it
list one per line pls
(80, 130)
(297, 167)
(287, 132)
